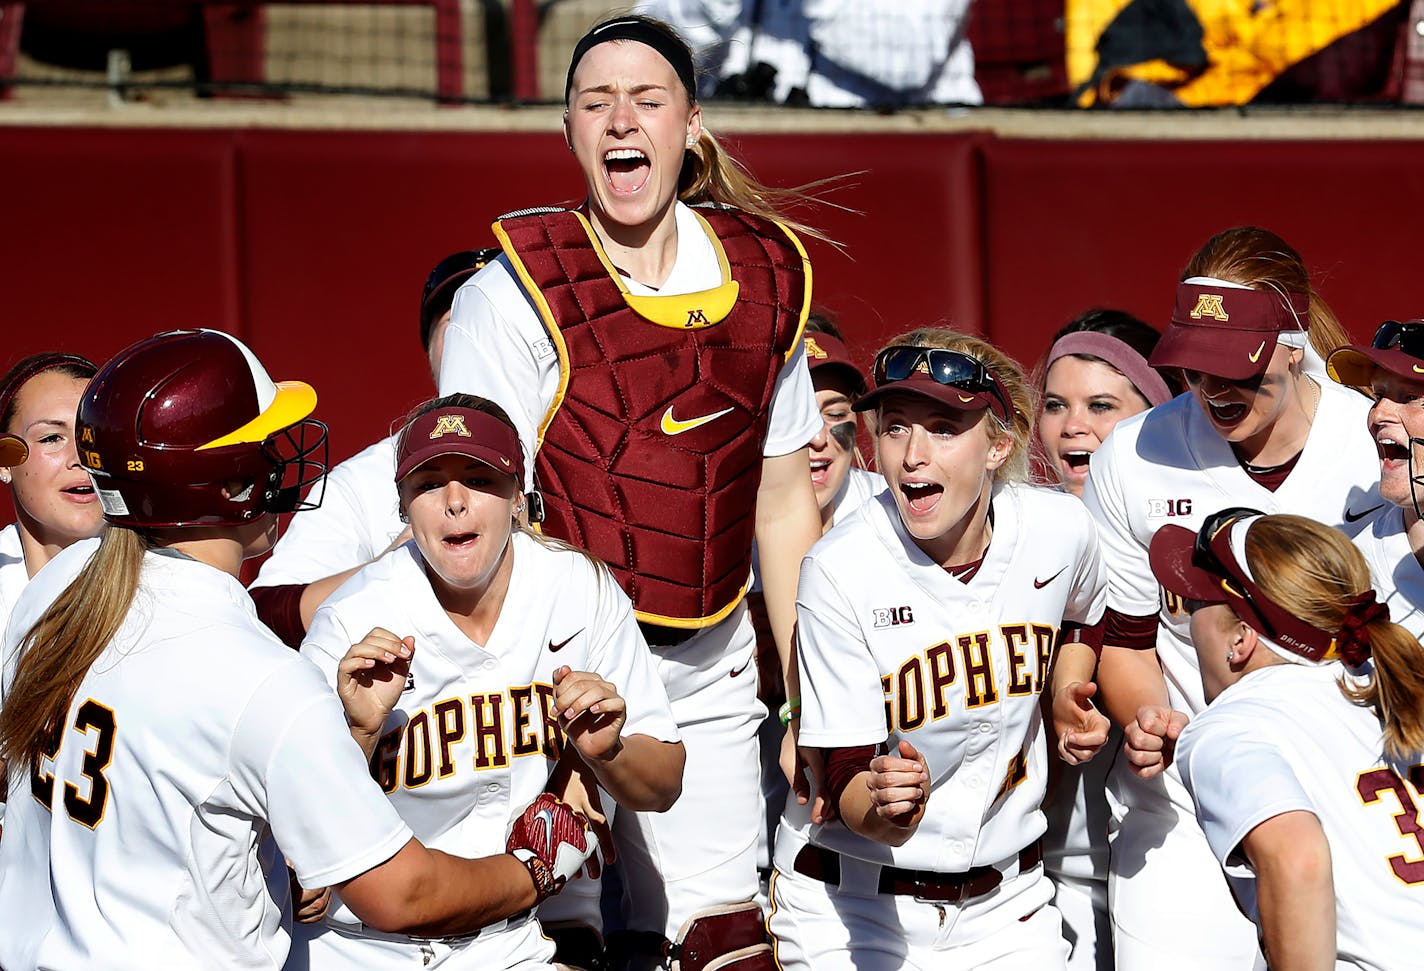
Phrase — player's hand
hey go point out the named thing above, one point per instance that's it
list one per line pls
(899, 785)
(574, 784)
(591, 713)
(552, 841)
(805, 770)
(308, 906)
(371, 677)
(1081, 729)
(1151, 740)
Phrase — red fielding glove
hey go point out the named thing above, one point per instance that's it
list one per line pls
(553, 842)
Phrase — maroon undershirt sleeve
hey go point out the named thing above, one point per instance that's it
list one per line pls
(1130, 631)
(280, 608)
(843, 765)
(1089, 634)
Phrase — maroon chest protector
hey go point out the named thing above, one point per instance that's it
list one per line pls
(650, 456)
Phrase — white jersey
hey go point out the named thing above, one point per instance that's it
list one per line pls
(195, 739)
(887, 635)
(1284, 739)
(1169, 466)
(358, 519)
(14, 576)
(859, 485)
(1395, 572)
(496, 346)
(473, 738)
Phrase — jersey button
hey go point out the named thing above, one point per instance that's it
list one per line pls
(985, 727)
(492, 787)
(975, 782)
(490, 664)
(957, 847)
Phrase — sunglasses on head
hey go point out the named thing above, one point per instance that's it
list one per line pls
(1215, 532)
(953, 369)
(1408, 337)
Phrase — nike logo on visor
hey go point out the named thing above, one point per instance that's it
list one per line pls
(672, 426)
(1253, 358)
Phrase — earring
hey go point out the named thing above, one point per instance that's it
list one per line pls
(1230, 656)
(5, 476)
(691, 141)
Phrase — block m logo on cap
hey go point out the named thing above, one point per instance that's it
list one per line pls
(449, 425)
(1209, 305)
(815, 350)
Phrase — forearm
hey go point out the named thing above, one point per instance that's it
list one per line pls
(644, 774)
(857, 811)
(1295, 892)
(429, 893)
(1129, 680)
(787, 524)
(1073, 662)
(316, 592)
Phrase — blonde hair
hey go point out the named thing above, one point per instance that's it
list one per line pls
(59, 649)
(1259, 259)
(1015, 384)
(1315, 573)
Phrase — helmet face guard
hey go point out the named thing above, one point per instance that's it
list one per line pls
(300, 457)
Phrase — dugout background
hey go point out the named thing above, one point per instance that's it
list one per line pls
(312, 245)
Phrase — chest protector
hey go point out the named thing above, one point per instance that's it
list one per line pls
(650, 456)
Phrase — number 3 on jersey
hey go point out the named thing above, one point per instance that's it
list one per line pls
(89, 809)
(1376, 783)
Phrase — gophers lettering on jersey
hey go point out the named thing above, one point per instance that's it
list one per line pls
(468, 733)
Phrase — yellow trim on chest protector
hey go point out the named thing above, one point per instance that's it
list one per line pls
(679, 311)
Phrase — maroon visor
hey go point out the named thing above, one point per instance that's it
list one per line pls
(1226, 332)
(459, 431)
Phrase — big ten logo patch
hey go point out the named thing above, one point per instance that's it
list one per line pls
(1164, 508)
(543, 348)
(474, 733)
(919, 690)
(883, 617)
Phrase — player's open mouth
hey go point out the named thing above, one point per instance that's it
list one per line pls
(1391, 451)
(820, 471)
(1076, 461)
(627, 169)
(460, 540)
(82, 494)
(1227, 414)
(921, 497)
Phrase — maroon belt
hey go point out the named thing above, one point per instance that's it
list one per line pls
(825, 865)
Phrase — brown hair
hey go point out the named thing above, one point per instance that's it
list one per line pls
(1314, 572)
(1011, 377)
(1258, 258)
(23, 370)
(70, 635)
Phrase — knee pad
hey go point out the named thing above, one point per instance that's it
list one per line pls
(727, 938)
(576, 946)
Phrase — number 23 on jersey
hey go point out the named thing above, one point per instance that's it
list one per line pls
(96, 723)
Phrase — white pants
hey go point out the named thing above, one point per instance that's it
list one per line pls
(1172, 909)
(819, 927)
(320, 947)
(703, 851)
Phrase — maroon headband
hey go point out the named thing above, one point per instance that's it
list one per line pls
(39, 364)
(1117, 354)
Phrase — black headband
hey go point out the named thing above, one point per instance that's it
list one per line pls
(673, 50)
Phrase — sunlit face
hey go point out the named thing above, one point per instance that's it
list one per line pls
(461, 514)
(833, 448)
(1245, 412)
(54, 498)
(629, 121)
(1214, 628)
(1082, 401)
(939, 464)
(1397, 417)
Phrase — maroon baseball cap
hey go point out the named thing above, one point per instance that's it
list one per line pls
(459, 431)
(1398, 347)
(1210, 566)
(953, 378)
(13, 450)
(1228, 332)
(828, 354)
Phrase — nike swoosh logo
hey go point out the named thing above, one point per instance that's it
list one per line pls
(504, 461)
(966, 400)
(1354, 517)
(1040, 584)
(1253, 358)
(737, 671)
(555, 648)
(672, 426)
(1416, 369)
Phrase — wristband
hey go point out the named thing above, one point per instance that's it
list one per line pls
(789, 711)
(545, 883)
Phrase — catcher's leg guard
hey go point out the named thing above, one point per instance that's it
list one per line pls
(728, 938)
(577, 946)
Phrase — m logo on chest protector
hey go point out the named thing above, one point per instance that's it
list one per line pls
(892, 617)
(449, 425)
(1209, 305)
(696, 318)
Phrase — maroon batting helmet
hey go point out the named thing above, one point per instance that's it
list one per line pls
(186, 429)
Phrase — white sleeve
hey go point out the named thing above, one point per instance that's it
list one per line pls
(794, 419)
(324, 541)
(1237, 779)
(842, 703)
(1088, 598)
(1132, 588)
(485, 354)
(621, 657)
(326, 643)
(294, 758)
(901, 44)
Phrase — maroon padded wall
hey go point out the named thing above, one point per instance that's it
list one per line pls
(313, 246)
